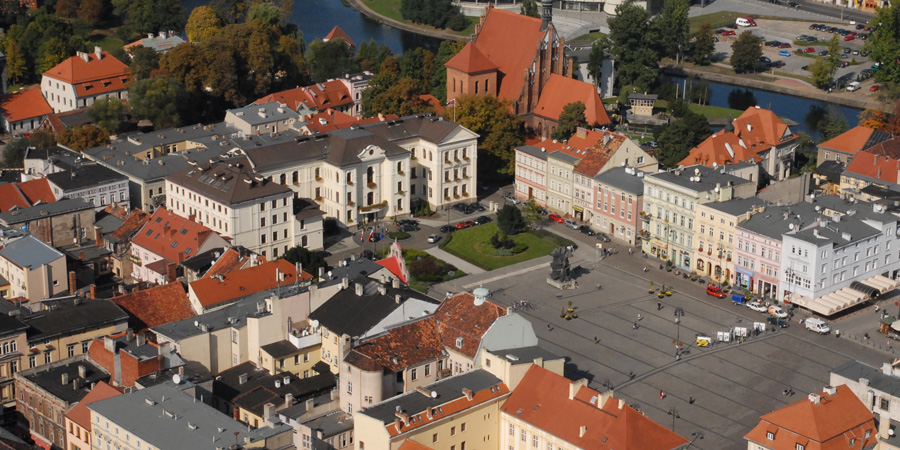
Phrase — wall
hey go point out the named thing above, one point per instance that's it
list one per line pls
(786, 192)
(618, 225)
(77, 437)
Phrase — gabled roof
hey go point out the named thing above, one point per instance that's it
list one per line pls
(156, 306)
(22, 105)
(37, 191)
(410, 444)
(321, 96)
(92, 74)
(720, 149)
(11, 197)
(855, 139)
(754, 131)
(328, 120)
(171, 236)
(395, 263)
(828, 424)
(80, 414)
(229, 182)
(462, 323)
(542, 399)
(60, 122)
(404, 346)
(888, 147)
(232, 259)
(132, 224)
(874, 167)
(599, 147)
(560, 91)
(338, 33)
(470, 60)
(757, 125)
(241, 283)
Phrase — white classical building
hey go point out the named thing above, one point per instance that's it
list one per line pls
(80, 80)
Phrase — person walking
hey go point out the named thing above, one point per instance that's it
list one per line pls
(658, 306)
(634, 326)
(596, 339)
(548, 326)
(691, 400)
(662, 395)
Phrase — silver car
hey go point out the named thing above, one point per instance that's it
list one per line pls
(571, 224)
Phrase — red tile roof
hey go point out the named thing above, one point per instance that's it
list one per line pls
(601, 145)
(761, 126)
(328, 120)
(38, 190)
(889, 147)
(330, 94)
(755, 131)
(156, 306)
(869, 165)
(94, 76)
(542, 400)
(405, 346)
(470, 60)
(512, 56)
(171, 236)
(11, 196)
(458, 317)
(241, 283)
(119, 211)
(80, 414)
(336, 33)
(851, 141)
(131, 225)
(560, 91)
(230, 261)
(27, 104)
(413, 445)
(395, 263)
(828, 425)
(715, 150)
(450, 408)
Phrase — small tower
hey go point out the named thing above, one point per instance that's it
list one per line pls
(546, 14)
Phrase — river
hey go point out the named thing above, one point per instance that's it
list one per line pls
(317, 17)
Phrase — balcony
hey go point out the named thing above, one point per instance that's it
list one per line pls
(349, 183)
(305, 341)
(374, 207)
(135, 260)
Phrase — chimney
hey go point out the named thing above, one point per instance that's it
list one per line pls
(171, 272)
(830, 390)
(268, 411)
(582, 430)
(621, 403)
(575, 386)
(64, 379)
(468, 393)
(398, 299)
(289, 400)
(345, 283)
(815, 399)
(310, 404)
(109, 344)
(93, 291)
(242, 378)
(402, 416)
(98, 235)
(84, 56)
(98, 52)
(884, 426)
(321, 272)
(72, 282)
(395, 283)
(141, 340)
(82, 371)
(382, 289)
(359, 289)
(129, 334)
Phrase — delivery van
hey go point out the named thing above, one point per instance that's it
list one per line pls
(854, 86)
(745, 22)
(817, 325)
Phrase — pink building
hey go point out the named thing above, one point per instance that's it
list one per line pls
(620, 198)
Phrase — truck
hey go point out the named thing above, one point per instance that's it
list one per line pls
(817, 325)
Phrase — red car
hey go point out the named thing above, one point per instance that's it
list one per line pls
(809, 50)
(465, 224)
(874, 88)
(849, 37)
(556, 218)
(784, 45)
(728, 33)
(714, 291)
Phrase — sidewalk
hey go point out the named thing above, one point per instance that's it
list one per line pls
(461, 264)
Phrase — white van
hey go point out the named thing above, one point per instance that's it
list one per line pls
(817, 325)
(854, 86)
(745, 22)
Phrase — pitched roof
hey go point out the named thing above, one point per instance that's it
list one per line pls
(156, 306)
(30, 252)
(321, 96)
(410, 444)
(60, 122)
(720, 149)
(828, 424)
(241, 283)
(600, 146)
(471, 60)
(888, 147)
(229, 182)
(328, 120)
(355, 315)
(338, 33)
(874, 167)
(37, 190)
(755, 130)
(512, 56)
(11, 197)
(407, 345)
(80, 414)
(171, 236)
(462, 323)
(560, 91)
(855, 139)
(133, 222)
(395, 263)
(232, 259)
(758, 125)
(26, 104)
(542, 400)
(92, 75)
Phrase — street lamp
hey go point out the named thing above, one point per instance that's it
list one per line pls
(674, 413)
(679, 313)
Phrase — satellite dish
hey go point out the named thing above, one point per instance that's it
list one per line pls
(791, 226)
(314, 323)
(433, 394)
(176, 379)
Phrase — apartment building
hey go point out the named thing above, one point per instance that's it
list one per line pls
(78, 418)
(231, 199)
(341, 94)
(463, 320)
(619, 204)
(59, 224)
(82, 79)
(23, 111)
(99, 185)
(220, 290)
(13, 344)
(34, 269)
(843, 147)
(716, 237)
(670, 200)
(870, 169)
(265, 118)
(531, 173)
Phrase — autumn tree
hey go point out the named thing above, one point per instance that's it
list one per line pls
(329, 60)
(391, 93)
(15, 61)
(143, 16)
(107, 114)
(370, 56)
(66, 8)
(704, 45)
(500, 131)
(161, 100)
(747, 50)
(418, 64)
(202, 24)
(571, 117)
(81, 137)
(144, 61)
(91, 11)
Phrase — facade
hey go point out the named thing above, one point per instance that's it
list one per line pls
(13, 344)
(829, 419)
(619, 203)
(80, 80)
(557, 93)
(67, 221)
(531, 173)
(296, 355)
(448, 414)
(844, 147)
(228, 197)
(670, 200)
(144, 419)
(717, 236)
(875, 387)
(869, 170)
(97, 184)
(23, 111)
(34, 269)
(78, 418)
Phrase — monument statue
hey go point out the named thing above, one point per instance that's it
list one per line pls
(559, 267)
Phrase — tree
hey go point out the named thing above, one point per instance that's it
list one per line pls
(437, 13)
(595, 60)
(143, 16)
(418, 64)
(509, 220)
(370, 56)
(310, 261)
(14, 152)
(571, 117)
(53, 51)
(389, 93)
(66, 8)
(329, 60)
(107, 114)
(832, 125)
(822, 74)
(532, 213)
(268, 14)
(530, 9)
(160, 100)
(704, 46)
(203, 24)
(499, 130)
(884, 43)
(144, 61)
(678, 138)
(446, 52)
(15, 60)
(81, 137)
(633, 46)
(91, 11)
(747, 50)
(672, 23)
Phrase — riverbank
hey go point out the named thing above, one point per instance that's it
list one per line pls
(360, 5)
(781, 85)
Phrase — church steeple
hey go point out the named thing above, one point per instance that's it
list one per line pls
(546, 14)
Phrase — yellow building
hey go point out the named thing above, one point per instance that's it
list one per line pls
(78, 419)
(715, 235)
(284, 356)
(454, 413)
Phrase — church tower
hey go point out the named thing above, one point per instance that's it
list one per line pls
(546, 14)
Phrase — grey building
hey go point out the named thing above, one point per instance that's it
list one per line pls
(97, 184)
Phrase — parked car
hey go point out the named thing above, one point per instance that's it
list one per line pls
(874, 88)
(773, 44)
(447, 228)
(847, 50)
(586, 230)
(809, 50)
(465, 224)
(478, 206)
(481, 220)
(804, 68)
(728, 33)
(778, 63)
(602, 237)
(860, 26)
(764, 59)
(823, 53)
(784, 53)
(853, 86)
(849, 37)
(571, 224)
(855, 52)
(817, 325)
(715, 291)
(784, 45)
(776, 311)
(757, 306)
(793, 4)
(845, 63)
(407, 227)
(778, 322)
(434, 238)
(556, 218)
(653, 144)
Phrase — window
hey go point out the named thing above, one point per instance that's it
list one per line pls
(534, 441)
(48, 357)
(452, 431)
(71, 350)
(512, 430)
(349, 387)
(800, 447)
(84, 346)
(434, 437)
(524, 436)
(427, 369)
(413, 374)
(885, 404)
(459, 342)
(770, 436)
(462, 428)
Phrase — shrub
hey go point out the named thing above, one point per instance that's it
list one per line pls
(399, 235)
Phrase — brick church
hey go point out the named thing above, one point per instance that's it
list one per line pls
(522, 59)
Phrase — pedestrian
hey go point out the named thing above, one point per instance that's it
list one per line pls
(691, 400)
(634, 326)
(791, 391)
(596, 340)
(639, 317)
(662, 395)
(658, 306)
(548, 326)
(631, 374)
(866, 337)
(876, 308)
(784, 393)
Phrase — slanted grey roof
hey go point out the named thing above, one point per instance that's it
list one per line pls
(737, 206)
(524, 355)
(774, 220)
(215, 320)
(44, 210)
(230, 182)
(66, 317)
(30, 252)
(149, 414)
(631, 180)
(280, 348)
(84, 176)
(709, 177)
(831, 170)
(255, 114)
(878, 380)
(562, 156)
(533, 151)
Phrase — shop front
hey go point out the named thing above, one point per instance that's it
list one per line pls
(578, 213)
(744, 278)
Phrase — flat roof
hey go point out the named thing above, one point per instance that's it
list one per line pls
(50, 378)
(29, 251)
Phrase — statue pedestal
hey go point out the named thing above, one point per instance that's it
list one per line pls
(563, 285)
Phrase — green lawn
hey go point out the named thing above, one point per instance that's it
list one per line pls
(710, 112)
(107, 43)
(466, 245)
(715, 20)
(587, 38)
(391, 10)
(424, 270)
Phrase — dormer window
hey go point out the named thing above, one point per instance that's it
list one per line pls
(459, 342)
